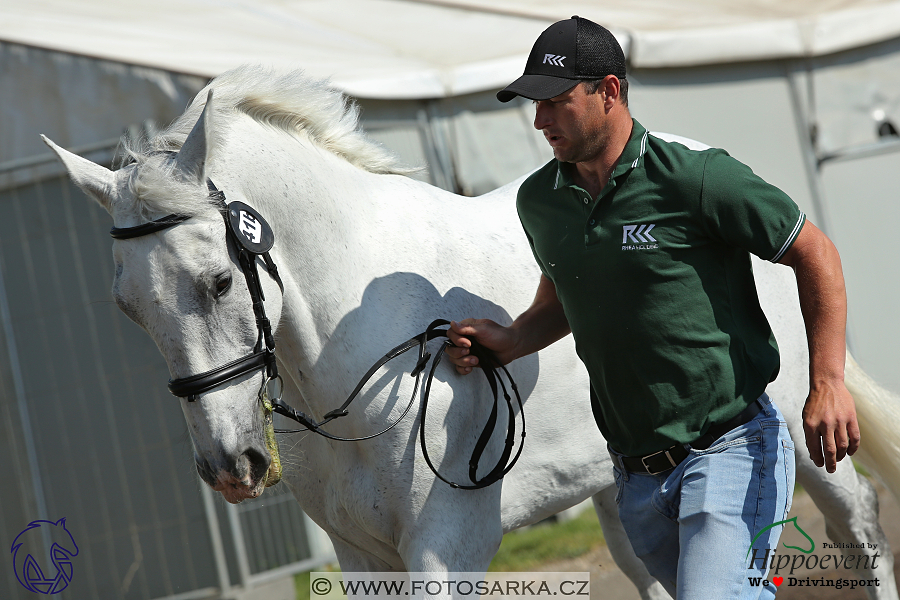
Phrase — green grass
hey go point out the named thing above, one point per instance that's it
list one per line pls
(525, 549)
(301, 585)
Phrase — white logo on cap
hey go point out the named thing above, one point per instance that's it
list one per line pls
(554, 59)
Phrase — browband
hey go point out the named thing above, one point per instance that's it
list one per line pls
(127, 233)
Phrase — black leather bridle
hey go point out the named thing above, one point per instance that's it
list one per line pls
(263, 356)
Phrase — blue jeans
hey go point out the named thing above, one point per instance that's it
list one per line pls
(692, 525)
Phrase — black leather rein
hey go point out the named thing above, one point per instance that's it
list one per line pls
(263, 358)
(488, 367)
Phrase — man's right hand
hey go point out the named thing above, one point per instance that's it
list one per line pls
(542, 324)
(502, 340)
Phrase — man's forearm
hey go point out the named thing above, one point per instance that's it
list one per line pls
(543, 323)
(823, 302)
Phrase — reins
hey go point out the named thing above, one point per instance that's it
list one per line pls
(253, 238)
(487, 362)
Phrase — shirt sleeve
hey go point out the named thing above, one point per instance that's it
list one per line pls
(537, 258)
(740, 209)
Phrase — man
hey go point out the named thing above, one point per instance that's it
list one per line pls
(644, 251)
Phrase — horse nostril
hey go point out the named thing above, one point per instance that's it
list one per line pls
(259, 462)
(251, 465)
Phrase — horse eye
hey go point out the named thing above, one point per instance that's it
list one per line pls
(223, 284)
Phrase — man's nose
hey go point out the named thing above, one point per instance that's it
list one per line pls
(541, 116)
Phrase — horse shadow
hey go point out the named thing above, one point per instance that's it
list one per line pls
(393, 309)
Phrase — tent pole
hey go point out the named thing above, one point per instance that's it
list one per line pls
(806, 128)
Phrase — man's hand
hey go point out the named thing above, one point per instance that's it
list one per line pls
(829, 422)
(502, 340)
(540, 325)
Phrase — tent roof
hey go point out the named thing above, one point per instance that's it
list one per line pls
(396, 49)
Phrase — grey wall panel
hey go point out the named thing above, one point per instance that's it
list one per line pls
(863, 201)
(112, 446)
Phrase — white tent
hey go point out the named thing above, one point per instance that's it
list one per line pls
(392, 49)
(806, 92)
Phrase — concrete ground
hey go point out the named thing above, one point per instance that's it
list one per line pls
(608, 582)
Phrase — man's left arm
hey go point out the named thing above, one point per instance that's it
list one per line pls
(829, 416)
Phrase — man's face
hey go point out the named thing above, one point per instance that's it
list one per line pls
(574, 123)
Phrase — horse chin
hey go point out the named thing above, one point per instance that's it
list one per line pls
(238, 495)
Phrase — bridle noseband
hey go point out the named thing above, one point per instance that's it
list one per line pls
(252, 243)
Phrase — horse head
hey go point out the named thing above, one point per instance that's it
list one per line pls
(184, 285)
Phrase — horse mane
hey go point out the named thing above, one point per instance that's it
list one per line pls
(290, 101)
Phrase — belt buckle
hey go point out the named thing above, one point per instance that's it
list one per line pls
(649, 470)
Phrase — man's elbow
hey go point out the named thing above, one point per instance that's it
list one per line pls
(812, 246)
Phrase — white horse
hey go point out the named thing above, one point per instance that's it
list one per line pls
(366, 263)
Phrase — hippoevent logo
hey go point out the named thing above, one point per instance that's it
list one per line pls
(805, 559)
(28, 554)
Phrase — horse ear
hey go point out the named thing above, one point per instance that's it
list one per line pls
(96, 181)
(191, 159)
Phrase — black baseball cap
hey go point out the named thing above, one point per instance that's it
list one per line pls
(566, 53)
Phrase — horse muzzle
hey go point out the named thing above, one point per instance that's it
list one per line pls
(239, 477)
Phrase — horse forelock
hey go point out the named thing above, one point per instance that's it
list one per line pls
(157, 187)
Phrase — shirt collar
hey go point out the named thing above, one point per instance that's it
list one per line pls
(631, 157)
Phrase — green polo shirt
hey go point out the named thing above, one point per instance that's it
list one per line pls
(655, 279)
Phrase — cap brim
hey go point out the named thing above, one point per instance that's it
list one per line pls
(536, 87)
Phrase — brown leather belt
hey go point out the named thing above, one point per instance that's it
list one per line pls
(672, 457)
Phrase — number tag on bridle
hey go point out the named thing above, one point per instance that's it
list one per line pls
(251, 230)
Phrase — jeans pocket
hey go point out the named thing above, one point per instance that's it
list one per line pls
(726, 444)
(620, 485)
(788, 454)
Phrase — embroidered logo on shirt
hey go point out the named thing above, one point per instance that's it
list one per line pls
(637, 237)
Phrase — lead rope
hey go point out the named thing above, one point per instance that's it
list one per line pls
(504, 464)
(273, 475)
(486, 360)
